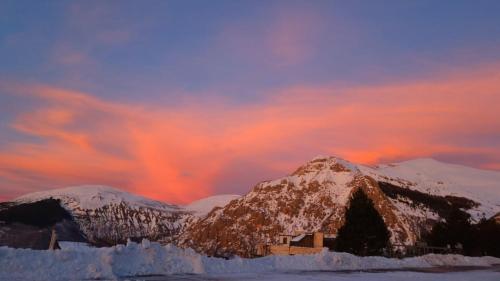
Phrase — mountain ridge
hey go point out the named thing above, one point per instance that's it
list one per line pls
(314, 198)
(411, 196)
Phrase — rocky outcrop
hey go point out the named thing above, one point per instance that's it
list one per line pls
(30, 225)
(115, 223)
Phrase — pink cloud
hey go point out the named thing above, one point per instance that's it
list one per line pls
(181, 153)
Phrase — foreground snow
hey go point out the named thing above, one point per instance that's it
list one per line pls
(476, 275)
(153, 259)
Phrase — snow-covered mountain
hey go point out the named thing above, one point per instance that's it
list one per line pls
(411, 196)
(91, 197)
(107, 215)
(443, 179)
(202, 207)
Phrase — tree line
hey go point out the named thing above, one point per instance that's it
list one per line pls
(365, 233)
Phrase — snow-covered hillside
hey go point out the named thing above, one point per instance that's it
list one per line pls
(433, 177)
(410, 196)
(313, 198)
(202, 207)
(91, 197)
(107, 215)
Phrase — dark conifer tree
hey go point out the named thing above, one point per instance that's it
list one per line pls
(456, 229)
(364, 231)
(486, 234)
(477, 240)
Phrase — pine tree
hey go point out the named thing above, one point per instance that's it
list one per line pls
(456, 229)
(364, 231)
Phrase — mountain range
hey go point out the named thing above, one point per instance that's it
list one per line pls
(410, 196)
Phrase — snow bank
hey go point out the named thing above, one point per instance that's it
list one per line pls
(153, 259)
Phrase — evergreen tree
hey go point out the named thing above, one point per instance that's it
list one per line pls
(485, 238)
(456, 229)
(364, 231)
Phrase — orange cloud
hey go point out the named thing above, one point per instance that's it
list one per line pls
(180, 154)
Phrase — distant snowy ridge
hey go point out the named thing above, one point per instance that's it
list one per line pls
(152, 259)
(107, 215)
(96, 196)
(202, 207)
(434, 177)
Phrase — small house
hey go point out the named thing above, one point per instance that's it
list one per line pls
(298, 244)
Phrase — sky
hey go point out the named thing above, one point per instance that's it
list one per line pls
(179, 100)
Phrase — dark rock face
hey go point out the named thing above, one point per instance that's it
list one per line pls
(18, 235)
(43, 213)
(30, 225)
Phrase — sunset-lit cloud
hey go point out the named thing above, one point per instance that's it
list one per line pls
(181, 153)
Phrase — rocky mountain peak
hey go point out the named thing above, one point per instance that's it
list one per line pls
(313, 198)
(326, 163)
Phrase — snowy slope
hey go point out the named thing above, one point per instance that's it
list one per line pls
(438, 178)
(202, 207)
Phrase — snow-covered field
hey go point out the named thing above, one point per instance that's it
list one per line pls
(479, 275)
(148, 259)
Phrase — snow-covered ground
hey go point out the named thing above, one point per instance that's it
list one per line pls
(148, 259)
(476, 275)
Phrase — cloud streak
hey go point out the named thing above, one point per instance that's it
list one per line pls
(178, 154)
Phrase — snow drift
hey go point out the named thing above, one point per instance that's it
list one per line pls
(149, 258)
